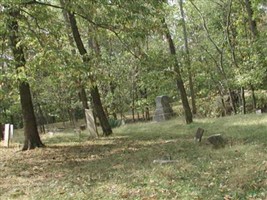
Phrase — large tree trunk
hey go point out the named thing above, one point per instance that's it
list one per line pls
(179, 81)
(97, 105)
(94, 90)
(32, 138)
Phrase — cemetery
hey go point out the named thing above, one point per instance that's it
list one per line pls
(138, 100)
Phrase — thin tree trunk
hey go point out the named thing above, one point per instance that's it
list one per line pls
(94, 89)
(254, 100)
(254, 31)
(42, 120)
(232, 102)
(31, 135)
(179, 81)
(233, 54)
(243, 100)
(133, 106)
(82, 92)
(188, 61)
(113, 104)
(83, 98)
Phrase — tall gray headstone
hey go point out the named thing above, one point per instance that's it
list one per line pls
(163, 109)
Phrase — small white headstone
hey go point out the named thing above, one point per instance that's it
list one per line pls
(50, 133)
(258, 112)
(6, 136)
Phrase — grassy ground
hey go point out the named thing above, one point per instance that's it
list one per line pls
(121, 166)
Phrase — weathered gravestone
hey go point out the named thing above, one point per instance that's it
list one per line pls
(163, 109)
(217, 140)
(90, 122)
(199, 134)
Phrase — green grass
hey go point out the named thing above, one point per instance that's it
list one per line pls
(121, 166)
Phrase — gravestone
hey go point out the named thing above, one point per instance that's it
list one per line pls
(90, 122)
(163, 109)
(258, 112)
(217, 140)
(199, 134)
(8, 134)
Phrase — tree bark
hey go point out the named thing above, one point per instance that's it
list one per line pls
(82, 93)
(94, 89)
(83, 98)
(232, 102)
(31, 135)
(188, 61)
(254, 100)
(254, 31)
(97, 105)
(42, 120)
(243, 100)
(179, 81)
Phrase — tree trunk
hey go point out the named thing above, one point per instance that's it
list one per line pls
(188, 61)
(243, 100)
(254, 31)
(42, 120)
(94, 89)
(32, 138)
(83, 98)
(254, 100)
(97, 105)
(113, 104)
(232, 102)
(179, 81)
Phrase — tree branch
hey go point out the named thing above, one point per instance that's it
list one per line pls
(206, 28)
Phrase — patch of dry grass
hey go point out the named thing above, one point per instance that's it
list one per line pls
(121, 166)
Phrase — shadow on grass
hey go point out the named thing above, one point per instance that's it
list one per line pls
(126, 159)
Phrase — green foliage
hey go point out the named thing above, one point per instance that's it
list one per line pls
(114, 123)
(133, 55)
